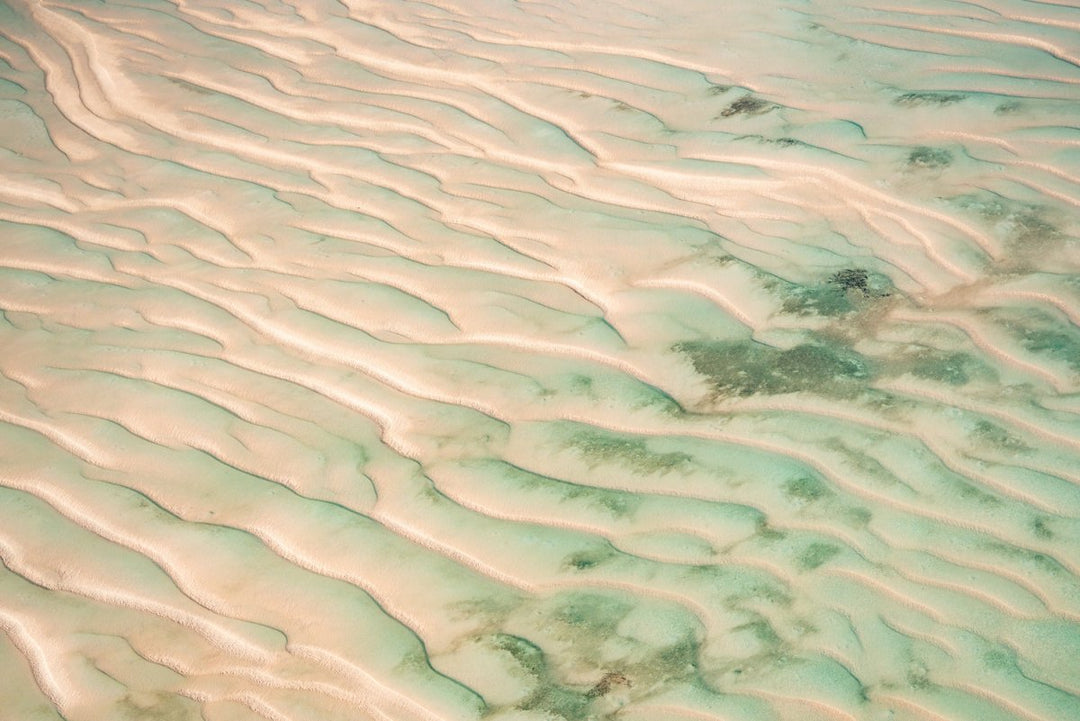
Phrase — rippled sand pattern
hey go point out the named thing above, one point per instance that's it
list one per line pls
(437, 361)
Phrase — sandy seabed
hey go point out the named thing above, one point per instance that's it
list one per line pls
(539, 361)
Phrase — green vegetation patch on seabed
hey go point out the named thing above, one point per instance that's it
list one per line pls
(997, 437)
(806, 489)
(1025, 227)
(157, 706)
(915, 99)
(1044, 334)
(744, 368)
(612, 643)
(590, 614)
(590, 557)
(1028, 558)
(951, 367)
(1021, 220)
(843, 292)
(634, 393)
(816, 554)
(528, 662)
(1062, 345)
(601, 446)
(747, 105)
(925, 157)
(525, 484)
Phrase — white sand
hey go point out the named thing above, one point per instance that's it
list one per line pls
(436, 361)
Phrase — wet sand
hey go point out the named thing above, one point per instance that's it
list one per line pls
(434, 361)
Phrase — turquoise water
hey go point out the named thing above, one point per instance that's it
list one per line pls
(537, 361)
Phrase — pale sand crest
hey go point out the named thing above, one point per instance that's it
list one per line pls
(517, 360)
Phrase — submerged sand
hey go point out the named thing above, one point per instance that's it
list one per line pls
(434, 361)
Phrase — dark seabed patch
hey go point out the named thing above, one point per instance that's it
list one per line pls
(916, 99)
(954, 368)
(743, 368)
(747, 105)
(806, 489)
(1031, 234)
(602, 447)
(924, 157)
(845, 291)
(816, 554)
(1050, 336)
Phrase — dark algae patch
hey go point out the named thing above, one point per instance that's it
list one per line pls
(843, 292)
(584, 560)
(610, 680)
(945, 367)
(549, 697)
(559, 702)
(815, 555)
(1050, 336)
(912, 100)
(857, 516)
(824, 299)
(744, 368)
(618, 504)
(527, 654)
(973, 493)
(870, 285)
(1057, 344)
(806, 489)
(157, 707)
(1027, 229)
(931, 364)
(1034, 559)
(762, 630)
(954, 368)
(851, 279)
(746, 105)
(594, 639)
(1041, 529)
(633, 452)
(593, 612)
(998, 437)
(1000, 658)
(918, 677)
(924, 157)
(678, 660)
(783, 142)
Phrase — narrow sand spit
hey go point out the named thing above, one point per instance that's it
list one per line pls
(436, 361)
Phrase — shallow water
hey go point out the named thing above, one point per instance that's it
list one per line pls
(453, 360)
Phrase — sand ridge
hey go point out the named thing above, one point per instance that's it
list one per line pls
(535, 361)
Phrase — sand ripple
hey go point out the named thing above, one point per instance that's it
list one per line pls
(438, 361)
